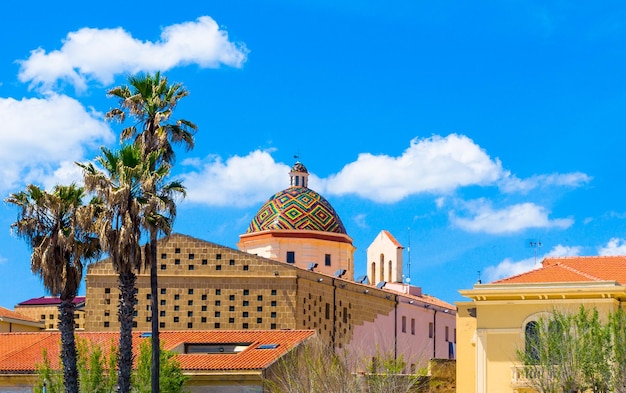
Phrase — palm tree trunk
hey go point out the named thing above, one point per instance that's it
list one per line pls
(154, 286)
(68, 345)
(125, 314)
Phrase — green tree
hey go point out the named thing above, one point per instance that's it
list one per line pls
(171, 375)
(96, 369)
(567, 353)
(58, 228)
(150, 101)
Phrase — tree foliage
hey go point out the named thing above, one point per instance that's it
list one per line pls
(171, 377)
(569, 353)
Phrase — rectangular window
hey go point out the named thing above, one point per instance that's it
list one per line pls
(218, 267)
(245, 325)
(176, 297)
(190, 313)
(447, 334)
(273, 292)
(107, 290)
(246, 303)
(163, 302)
(163, 255)
(106, 323)
(190, 302)
(177, 251)
(291, 257)
(259, 308)
(246, 267)
(162, 313)
(273, 326)
(176, 261)
(191, 267)
(246, 292)
(217, 314)
(175, 319)
(273, 314)
(345, 315)
(327, 311)
(218, 303)
(203, 320)
(327, 259)
(231, 262)
(218, 256)
(231, 297)
(231, 320)
(191, 256)
(162, 325)
(216, 325)
(203, 297)
(231, 308)
(413, 326)
(205, 262)
(176, 308)
(403, 324)
(203, 308)
(259, 320)
(430, 330)
(190, 291)
(245, 314)
(218, 292)
(259, 298)
(189, 325)
(273, 303)
(163, 291)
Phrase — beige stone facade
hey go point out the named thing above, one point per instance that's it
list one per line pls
(49, 315)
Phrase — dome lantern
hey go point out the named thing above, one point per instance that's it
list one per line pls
(299, 175)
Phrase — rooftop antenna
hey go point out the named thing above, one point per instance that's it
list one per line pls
(479, 280)
(409, 255)
(535, 245)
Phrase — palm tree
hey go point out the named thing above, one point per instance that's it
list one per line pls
(58, 228)
(123, 188)
(150, 101)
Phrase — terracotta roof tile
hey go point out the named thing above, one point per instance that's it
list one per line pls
(6, 313)
(393, 239)
(574, 269)
(20, 352)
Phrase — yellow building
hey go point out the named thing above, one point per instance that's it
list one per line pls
(493, 325)
(46, 310)
(11, 321)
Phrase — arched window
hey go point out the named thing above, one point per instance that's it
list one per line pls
(531, 336)
(390, 272)
(382, 268)
(373, 272)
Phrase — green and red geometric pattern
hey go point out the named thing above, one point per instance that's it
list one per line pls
(297, 208)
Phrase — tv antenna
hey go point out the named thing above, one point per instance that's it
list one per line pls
(409, 255)
(535, 245)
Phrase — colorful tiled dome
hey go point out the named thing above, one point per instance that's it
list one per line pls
(297, 208)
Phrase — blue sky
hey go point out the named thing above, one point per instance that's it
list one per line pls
(479, 126)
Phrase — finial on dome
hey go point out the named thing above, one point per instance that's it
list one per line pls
(299, 175)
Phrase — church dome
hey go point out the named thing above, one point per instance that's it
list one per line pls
(297, 208)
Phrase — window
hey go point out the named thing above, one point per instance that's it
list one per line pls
(217, 314)
(218, 267)
(162, 313)
(190, 302)
(148, 296)
(259, 298)
(345, 315)
(218, 256)
(203, 308)
(447, 334)
(259, 308)
(218, 303)
(273, 292)
(191, 256)
(176, 261)
(531, 334)
(245, 314)
(191, 267)
(189, 325)
(176, 297)
(231, 320)
(231, 262)
(403, 324)
(177, 251)
(43, 316)
(231, 297)
(413, 326)
(245, 325)
(175, 319)
(107, 290)
(291, 257)
(273, 303)
(203, 297)
(246, 267)
(163, 255)
(163, 291)
(203, 320)
(246, 303)
(231, 308)
(327, 259)
(273, 326)
(218, 292)
(246, 292)
(259, 320)
(176, 308)
(205, 262)
(106, 323)
(190, 291)
(216, 325)
(430, 330)
(327, 311)
(273, 314)
(190, 313)
(162, 325)
(106, 313)
(163, 302)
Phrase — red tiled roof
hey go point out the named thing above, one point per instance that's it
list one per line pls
(48, 300)
(6, 313)
(20, 352)
(393, 239)
(574, 269)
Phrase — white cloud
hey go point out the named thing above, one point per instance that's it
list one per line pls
(515, 218)
(99, 54)
(42, 137)
(361, 220)
(615, 246)
(436, 164)
(511, 184)
(239, 181)
(2, 260)
(508, 267)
